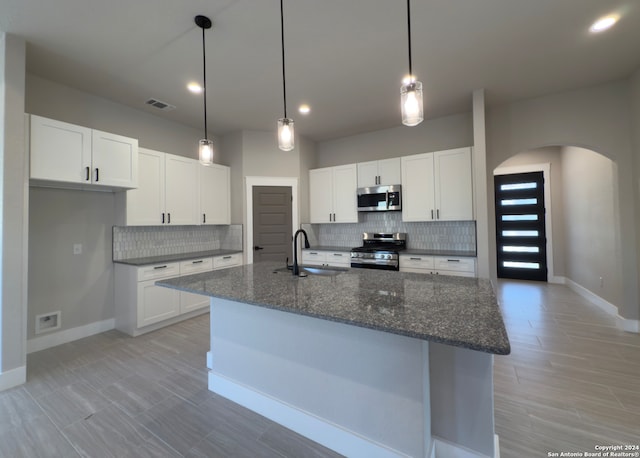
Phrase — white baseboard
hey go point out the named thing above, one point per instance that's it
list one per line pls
(13, 377)
(69, 335)
(557, 280)
(315, 428)
(446, 449)
(629, 325)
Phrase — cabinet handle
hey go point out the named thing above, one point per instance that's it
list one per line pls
(438, 213)
(337, 254)
(226, 257)
(163, 218)
(97, 174)
(160, 267)
(313, 253)
(168, 218)
(431, 213)
(88, 174)
(204, 218)
(453, 260)
(416, 259)
(197, 262)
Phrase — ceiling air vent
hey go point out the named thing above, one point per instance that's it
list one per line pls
(160, 105)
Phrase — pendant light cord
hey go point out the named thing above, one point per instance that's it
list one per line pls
(284, 80)
(409, 36)
(204, 88)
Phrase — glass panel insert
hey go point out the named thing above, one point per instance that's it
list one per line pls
(521, 249)
(521, 265)
(519, 217)
(513, 186)
(520, 233)
(532, 201)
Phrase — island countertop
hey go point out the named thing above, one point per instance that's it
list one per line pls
(455, 311)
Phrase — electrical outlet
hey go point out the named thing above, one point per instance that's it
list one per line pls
(77, 248)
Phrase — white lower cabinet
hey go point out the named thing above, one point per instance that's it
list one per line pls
(141, 306)
(438, 265)
(326, 258)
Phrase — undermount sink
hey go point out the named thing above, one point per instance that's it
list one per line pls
(305, 271)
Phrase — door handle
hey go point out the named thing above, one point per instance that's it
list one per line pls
(256, 248)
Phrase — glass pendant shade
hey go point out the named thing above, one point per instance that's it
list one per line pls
(205, 151)
(285, 134)
(411, 103)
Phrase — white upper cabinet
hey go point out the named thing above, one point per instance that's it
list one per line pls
(182, 191)
(65, 153)
(214, 194)
(332, 194)
(437, 186)
(377, 173)
(145, 205)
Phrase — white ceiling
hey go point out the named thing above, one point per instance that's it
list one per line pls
(346, 58)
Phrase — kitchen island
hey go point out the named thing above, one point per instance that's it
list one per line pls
(366, 362)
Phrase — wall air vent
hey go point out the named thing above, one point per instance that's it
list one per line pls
(160, 105)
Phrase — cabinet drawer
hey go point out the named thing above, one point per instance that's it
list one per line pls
(196, 265)
(338, 258)
(230, 260)
(455, 264)
(309, 257)
(166, 270)
(417, 262)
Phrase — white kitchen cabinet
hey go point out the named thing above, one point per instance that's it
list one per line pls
(215, 193)
(378, 173)
(190, 301)
(64, 153)
(437, 186)
(141, 306)
(326, 258)
(332, 194)
(175, 190)
(438, 265)
(181, 190)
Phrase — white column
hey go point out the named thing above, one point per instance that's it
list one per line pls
(14, 188)
(481, 189)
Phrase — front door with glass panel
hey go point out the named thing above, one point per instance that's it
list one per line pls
(520, 226)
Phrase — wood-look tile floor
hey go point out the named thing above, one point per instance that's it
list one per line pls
(571, 382)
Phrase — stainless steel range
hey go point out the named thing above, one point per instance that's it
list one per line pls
(379, 251)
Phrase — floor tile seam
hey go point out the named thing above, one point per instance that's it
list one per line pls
(118, 404)
(621, 340)
(598, 370)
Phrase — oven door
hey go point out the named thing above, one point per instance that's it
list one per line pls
(368, 263)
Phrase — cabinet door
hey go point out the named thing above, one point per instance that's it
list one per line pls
(338, 258)
(389, 171)
(320, 195)
(453, 185)
(345, 184)
(114, 160)
(156, 303)
(190, 301)
(367, 174)
(145, 204)
(418, 188)
(214, 194)
(60, 151)
(181, 190)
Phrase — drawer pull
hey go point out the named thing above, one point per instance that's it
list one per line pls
(160, 267)
(453, 260)
(337, 254)
(197, 262)
(226, 257)
(416, 259)
(313, 253)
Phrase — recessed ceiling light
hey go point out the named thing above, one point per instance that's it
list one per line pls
(304, 108)
(603, 24)
(195, 88)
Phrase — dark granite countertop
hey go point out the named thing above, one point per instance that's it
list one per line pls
(328, 248)
(455, 311)
(424, 252)
(175, 257)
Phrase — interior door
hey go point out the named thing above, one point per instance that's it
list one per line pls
(520, 226)
(272, 233)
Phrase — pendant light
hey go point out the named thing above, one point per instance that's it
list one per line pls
(286, 138)
(205, 146)
(411, 90)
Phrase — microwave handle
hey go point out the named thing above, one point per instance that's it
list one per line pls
(387, 196)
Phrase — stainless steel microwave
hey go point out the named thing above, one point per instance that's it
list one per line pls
(380, 198)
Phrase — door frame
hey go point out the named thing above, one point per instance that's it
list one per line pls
(252, 181)
(545, 168)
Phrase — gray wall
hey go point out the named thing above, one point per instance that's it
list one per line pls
(13, 218)
(597, 118)
(552, 156)
(592, 247)
(432, 135)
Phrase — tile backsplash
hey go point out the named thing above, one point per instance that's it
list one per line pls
(146, 241)
(437, 235)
